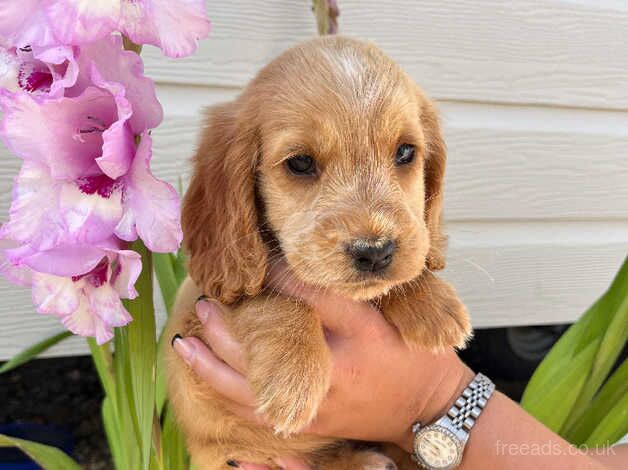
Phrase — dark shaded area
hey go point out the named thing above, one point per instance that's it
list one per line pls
(64, 392)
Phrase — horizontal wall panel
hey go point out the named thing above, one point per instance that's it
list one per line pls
(541, 51)
(493, 173)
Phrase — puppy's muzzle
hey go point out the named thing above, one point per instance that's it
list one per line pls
(371, 256)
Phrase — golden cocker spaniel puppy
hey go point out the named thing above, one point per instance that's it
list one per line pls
(331, 159)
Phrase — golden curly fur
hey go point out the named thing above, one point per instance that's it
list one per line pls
(349, 106)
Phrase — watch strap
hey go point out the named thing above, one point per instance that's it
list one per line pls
(467, 408)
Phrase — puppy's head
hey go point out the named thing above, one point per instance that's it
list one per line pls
(332, 158)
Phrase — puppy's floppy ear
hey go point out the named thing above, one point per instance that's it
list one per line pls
(435, 161)
(219, 217)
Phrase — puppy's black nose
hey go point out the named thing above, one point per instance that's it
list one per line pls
(371, 255)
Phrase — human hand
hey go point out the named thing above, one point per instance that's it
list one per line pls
(379, 387)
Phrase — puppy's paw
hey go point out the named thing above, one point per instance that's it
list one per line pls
(289, 398)
(428, 314)
(451, 328)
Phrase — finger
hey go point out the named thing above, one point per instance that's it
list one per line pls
(339, 314)
(215, 332)
(218, 375)
(290, 463)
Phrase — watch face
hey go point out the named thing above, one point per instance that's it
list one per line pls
(437, 447)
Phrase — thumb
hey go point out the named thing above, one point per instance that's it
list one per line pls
(338, 314)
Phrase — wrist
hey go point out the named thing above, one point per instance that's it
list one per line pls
(439, 397)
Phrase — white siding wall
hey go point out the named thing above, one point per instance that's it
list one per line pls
(534, 96)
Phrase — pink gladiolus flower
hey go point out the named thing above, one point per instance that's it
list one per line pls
(88, 304)
(74, 104)
(81, 197)
(82, 180)
(175, 26)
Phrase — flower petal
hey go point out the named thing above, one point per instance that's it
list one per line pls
(35, 217)
(20, 275)
(9, 69)
(105, 302)
(65, 133)
(114, 64)
(67, 260)
(90, 218)
(24, 24)
(39, 70)
(175, 27)
(81, 21)
(54, 294)
(118, 140)
(83, 321)
(151, 206)
(62, 64)
(125, 270)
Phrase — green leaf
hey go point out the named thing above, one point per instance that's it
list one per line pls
(553, 406)
(33, 351)
(126, 416)
(612, 344)
(168, 284)
(101, 355)
(611, 393)
(590, 329)
(141, 349)
(173, 445)
(180, 266)
(612, 427)
(113, 433)
(47, 457)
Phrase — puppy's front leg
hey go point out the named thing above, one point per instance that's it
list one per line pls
(289, 364)
(428, 313)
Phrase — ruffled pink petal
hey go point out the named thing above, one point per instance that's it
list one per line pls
(81, 21)
(23, 23)
(62, 65)
(126, 268)
(9, 69)
(151, 206)
(90, 213)
(175, 27)
(65, 133)
(118, 140)
(35, 217)
(84, 322)
(39, 70)
(54, 295)
(114, 64)
(105, 302)
(67, 260)
(20, 275)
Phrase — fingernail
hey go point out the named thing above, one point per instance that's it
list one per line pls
(174, 338)
(183, 348)
(233, 463)
(280, 462)
(204, 309)
(201, 297)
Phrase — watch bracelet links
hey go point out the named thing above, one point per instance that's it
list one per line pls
(467, 408)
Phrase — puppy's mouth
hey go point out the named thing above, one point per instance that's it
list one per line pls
(364, 289)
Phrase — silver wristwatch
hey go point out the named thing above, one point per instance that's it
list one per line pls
(439, 446)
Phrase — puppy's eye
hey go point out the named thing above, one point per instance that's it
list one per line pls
(301, 165)
(405, 154)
